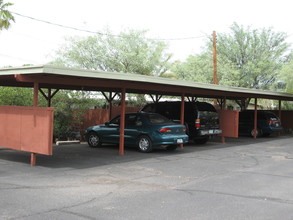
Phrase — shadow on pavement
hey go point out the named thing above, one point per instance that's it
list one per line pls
(81, 156)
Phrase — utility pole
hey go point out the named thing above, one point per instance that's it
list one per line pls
(215, 57)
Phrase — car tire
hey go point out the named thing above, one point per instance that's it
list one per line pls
(144, 144)
(171, 147)
(94, 140)
(201, 140)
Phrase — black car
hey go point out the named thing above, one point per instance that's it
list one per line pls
(267, 123)
(201, 118)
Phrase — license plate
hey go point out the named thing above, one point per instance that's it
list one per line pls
(179, 141)
(211, 131)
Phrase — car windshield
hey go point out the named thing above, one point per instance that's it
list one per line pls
(115, 121)
(157, 119)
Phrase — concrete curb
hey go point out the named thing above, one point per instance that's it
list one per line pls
(67, 142)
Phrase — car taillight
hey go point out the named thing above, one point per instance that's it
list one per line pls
(270, 122)
(165, 130)
(197, 123)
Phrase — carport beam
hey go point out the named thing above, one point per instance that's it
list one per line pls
(122, 122)
(182, 112)
(157, 99)
(36, 94)
(280, 114)
(110, 100)
(280, 109)
(49, 96)
(255, 118)
(33, 159)
(36, 103)
(223, 107)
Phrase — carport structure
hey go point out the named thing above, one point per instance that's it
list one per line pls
(55, 78)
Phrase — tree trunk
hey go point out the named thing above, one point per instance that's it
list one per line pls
(243, 103)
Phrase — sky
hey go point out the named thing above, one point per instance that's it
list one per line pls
(183, 24)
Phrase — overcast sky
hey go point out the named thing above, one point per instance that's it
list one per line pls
(32, 42)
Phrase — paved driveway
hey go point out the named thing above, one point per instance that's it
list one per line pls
(242, 179)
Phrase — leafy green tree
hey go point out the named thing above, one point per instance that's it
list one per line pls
(196, 68)
(16, 96)
(5, 16)
(129, 52)
(199, 68)
(258, 55)
(285, 83)
(247, 57)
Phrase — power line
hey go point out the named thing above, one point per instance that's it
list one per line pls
(97, 32)
(183, 38)
(59, 25)
(17, 58)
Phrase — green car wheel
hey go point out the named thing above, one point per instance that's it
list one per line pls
(94, 140)
(144, 144)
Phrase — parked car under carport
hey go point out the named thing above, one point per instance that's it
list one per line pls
(267, 123)
(142, 130)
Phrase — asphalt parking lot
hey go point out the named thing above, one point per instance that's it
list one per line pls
(242, 179)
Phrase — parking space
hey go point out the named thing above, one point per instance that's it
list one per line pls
(242, 179)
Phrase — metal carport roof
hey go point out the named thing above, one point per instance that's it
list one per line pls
(77, 79)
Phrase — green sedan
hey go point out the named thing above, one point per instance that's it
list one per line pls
(143, 130)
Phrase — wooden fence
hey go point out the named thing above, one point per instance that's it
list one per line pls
(100, 116)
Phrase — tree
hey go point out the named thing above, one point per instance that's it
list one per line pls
(199, 68)
(5, 16)
(285, 83)
(16, 96)
(258, 55)
(128, 52)
(285, 79)
(247, 57)
(196, 68)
